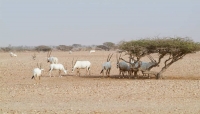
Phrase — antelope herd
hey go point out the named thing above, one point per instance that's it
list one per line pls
(125, 68)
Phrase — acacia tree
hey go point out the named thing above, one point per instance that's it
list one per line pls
(174, 48)
(109, 44)
(42, 48)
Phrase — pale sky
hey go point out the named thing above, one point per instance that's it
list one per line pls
(92, 22)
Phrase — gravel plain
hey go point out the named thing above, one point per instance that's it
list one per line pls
(178, 92)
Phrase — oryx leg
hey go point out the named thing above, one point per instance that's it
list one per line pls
(109, 72)
(50, 72)
(89, 70)
(60, 73)
(86, 71)
(35, 81)
(129, 72)
(122, 73)
(103, 72)
(38, 79)
(79, 72)
(76, 72)
(119, 72)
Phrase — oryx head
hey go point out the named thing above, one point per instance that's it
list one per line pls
(39, 66)
(73, 64)
(153, 61)
(48, 56)
(109, 57)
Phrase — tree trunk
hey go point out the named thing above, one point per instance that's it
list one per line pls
(159, 75)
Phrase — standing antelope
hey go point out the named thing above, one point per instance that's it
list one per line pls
(81, 65)
(106, 66)
(123, 66)
(52, 60)
(37, 72)
(13, 54)
(57, 67)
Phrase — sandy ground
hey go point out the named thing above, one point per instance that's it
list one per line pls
(178, 92)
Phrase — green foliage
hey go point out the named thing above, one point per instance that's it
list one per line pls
(160, 45)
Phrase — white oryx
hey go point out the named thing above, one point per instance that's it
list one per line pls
(106, 66)
(123, 66)
(92, 51)
(52, 60)
(37, 72)
(59, 67)
(81, 65)
(13, 54)
(70, 52)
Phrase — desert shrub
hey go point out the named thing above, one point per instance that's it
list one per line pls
(64, 48)
(6, 49)
(103, 47)
(42, 48)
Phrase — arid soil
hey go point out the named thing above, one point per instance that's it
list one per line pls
(178, 92)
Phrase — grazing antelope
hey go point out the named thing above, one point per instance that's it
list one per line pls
(52, 60)
(107, 66)
(123, 66)
(146, 65)
(59, 67)
(13, 54)
(92, 51)
(37, 72)
(34, 56)
(81, 65)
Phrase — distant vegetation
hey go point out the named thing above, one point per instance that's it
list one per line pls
(74, 47)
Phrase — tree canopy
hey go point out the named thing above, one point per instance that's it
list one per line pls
(176, 48)
(109, 44)
(159, 45)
